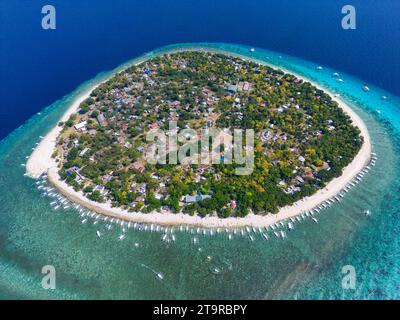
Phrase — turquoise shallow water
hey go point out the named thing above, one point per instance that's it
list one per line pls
(306, 265)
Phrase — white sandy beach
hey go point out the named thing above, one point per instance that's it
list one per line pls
(41, 162)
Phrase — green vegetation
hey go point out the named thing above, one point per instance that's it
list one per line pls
(303, 140)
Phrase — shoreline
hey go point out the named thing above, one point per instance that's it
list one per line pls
(40, 162)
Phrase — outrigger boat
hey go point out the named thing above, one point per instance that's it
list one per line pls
(315, 220)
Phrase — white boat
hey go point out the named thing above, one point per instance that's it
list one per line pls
(121, 237)
(98, 233)
(83, 221)
(290, 226)
(252, 49)
(367, 212)
(160, 276)
(335, 74)
(230, 236)
(283, 234)
(365, 88)
(251, 237)
(315, 220)
(265, 236)
(340, 80)
(319, 68)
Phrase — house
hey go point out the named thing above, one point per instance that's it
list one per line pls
(82, 153)
(266, 135)
(232, 88)
(142, 188)
(158, 196)
(300, 179)
(196, 198)
(81, 126)
(153, 125)
(137, 166)
(100, 188)
(101, 120)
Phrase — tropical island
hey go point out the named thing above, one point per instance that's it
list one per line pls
(302, 138)
(308, 143)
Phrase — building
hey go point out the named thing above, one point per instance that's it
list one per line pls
(101, 120)
(232, 88)
(196, 198)
(81, 126)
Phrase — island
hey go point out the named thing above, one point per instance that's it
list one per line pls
(307, 144)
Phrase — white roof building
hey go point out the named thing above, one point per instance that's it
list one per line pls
(81, 126)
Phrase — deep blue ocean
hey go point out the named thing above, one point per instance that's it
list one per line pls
(38, 67)
(42, 72)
